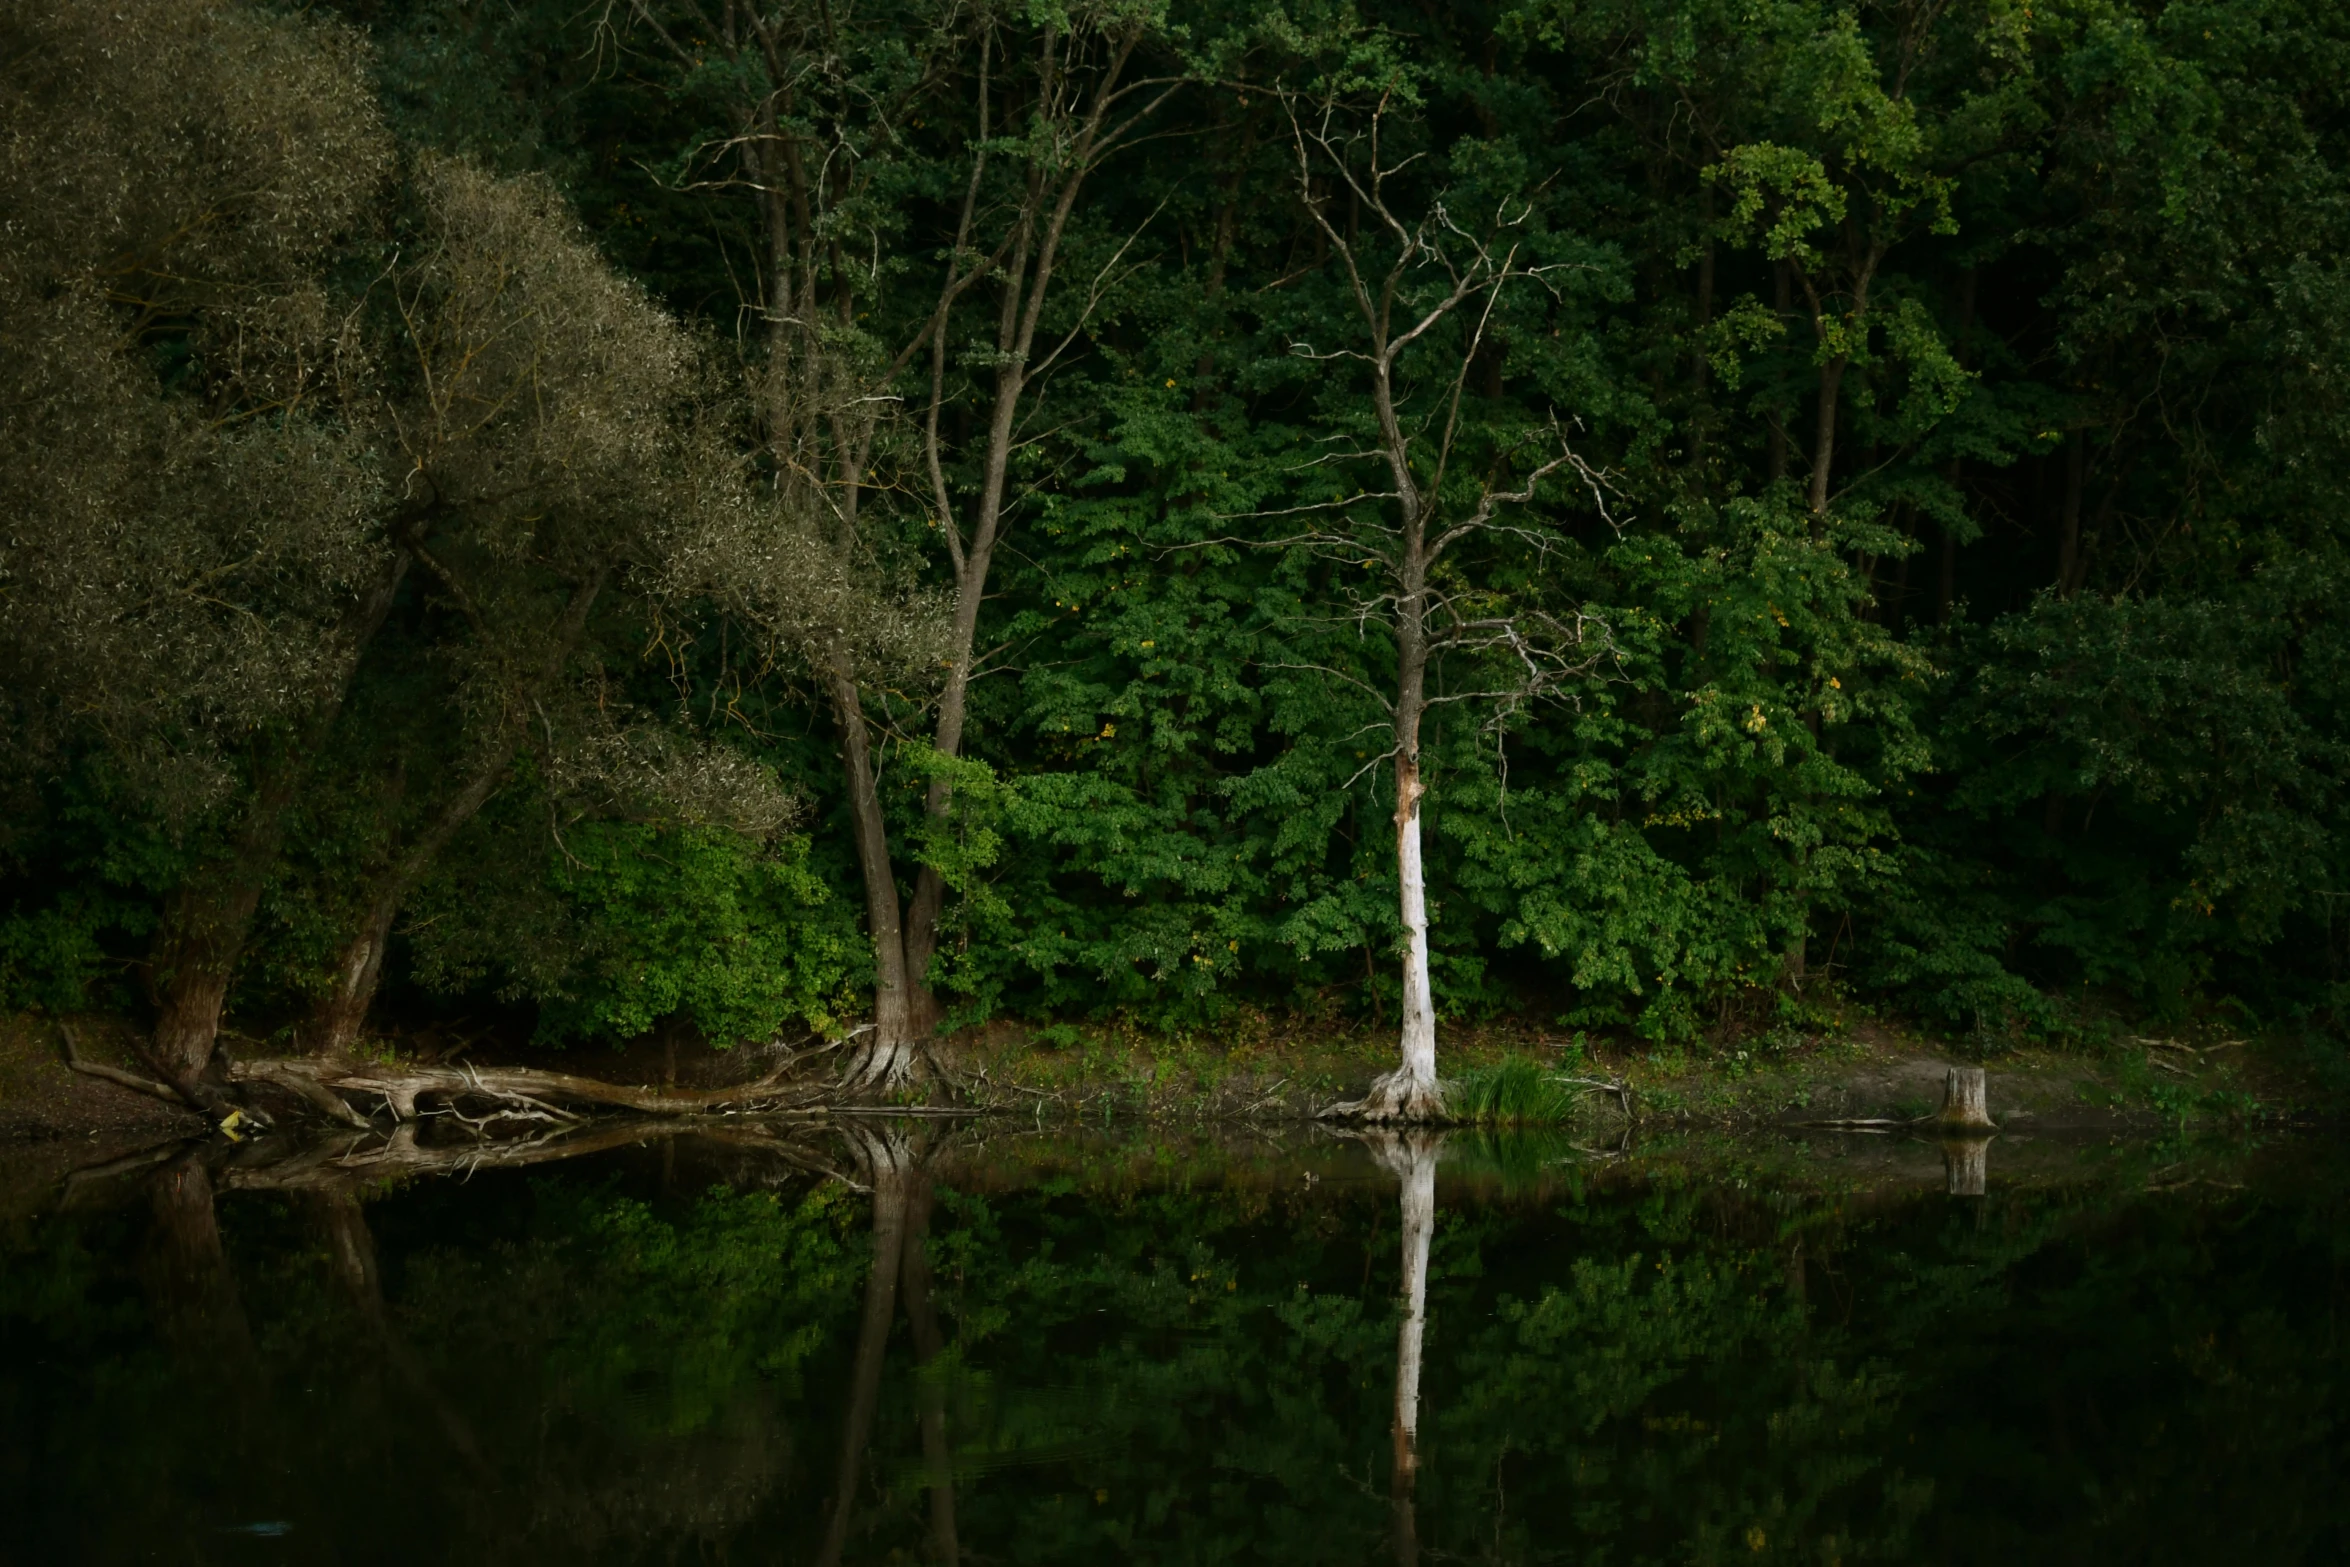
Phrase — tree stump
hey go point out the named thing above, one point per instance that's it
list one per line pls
(1964, 1102)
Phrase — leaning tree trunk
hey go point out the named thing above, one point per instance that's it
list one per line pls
(337, 1021)
(203, 935)
(196, 951)
(889, 1053)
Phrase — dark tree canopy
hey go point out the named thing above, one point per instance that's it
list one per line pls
(745, 515)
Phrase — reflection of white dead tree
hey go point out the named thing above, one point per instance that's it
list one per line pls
(1411, 1155)
(1431, 294)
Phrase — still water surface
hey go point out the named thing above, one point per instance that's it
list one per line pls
(964, 1344)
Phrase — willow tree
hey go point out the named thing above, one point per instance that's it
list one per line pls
(195, 556)
(545, 423)
(239, 408)
(839, 119)
(1431, 482)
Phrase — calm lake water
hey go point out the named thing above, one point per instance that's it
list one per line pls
(921, 1342)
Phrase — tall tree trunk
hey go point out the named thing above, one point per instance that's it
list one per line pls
(1026, 281)
(885, 1159)
(1797, 958)
(203, 934)
(1783, 302)
(1823, 452)
(971, 572)
(1899, 618)
(1701, 405)
(1946, 580)
(809, 384)
(887, 1057)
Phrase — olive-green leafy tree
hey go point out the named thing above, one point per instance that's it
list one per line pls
(196, 557)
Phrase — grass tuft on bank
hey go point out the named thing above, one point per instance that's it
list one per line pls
(1512, 1091)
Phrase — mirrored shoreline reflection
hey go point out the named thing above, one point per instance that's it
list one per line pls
(912, 1341)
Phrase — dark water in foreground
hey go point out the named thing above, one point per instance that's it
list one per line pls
(1174, 1351)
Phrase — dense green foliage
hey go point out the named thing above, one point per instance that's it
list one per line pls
(1964, 386)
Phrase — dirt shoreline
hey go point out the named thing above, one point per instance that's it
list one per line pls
(1066, 1075)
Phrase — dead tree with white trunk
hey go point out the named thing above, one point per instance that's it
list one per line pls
(1431, 474)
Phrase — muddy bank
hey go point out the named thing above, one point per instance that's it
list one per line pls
(1868, 1071)
(1261, 1074)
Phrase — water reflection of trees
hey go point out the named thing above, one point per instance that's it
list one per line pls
(568, 1391)
(1411, 1155)
(890, 1158)
(928, 1361)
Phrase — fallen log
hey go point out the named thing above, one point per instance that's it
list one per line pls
(328, 1085)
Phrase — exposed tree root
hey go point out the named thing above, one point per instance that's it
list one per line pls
(881, 1066)
(1397, 1099)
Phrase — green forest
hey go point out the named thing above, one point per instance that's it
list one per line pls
(772, 517)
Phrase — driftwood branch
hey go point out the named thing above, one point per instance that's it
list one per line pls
(521, 1092)
(76, 1061)
(1622, 1092)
